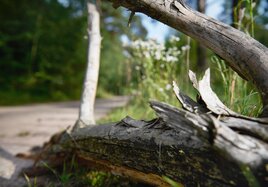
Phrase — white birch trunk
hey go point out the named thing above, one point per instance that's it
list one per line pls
(86, 112)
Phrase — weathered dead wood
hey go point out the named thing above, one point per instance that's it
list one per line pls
(156, 148)
(201, 145)
(245, 55)
(206, 144)
(187, 147)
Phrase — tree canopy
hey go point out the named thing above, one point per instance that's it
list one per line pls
(43, 48)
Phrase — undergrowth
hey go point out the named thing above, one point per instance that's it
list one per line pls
(154, 67)
(71, 174)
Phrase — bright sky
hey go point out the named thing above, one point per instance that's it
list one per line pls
(159, 31)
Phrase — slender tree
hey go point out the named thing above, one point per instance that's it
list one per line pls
(201, 50)
(86, 111)
(235, 11)
(206, 144)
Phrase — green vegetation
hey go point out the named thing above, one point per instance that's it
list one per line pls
(154, 73)
(39, 57)
(252, 181)
(153, 78)
(172, 183)
(43, 46)
(72, 175)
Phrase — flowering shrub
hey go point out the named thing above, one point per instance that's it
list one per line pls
(155, 66)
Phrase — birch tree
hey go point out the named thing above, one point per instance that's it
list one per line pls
(203, 144)
(86, 111)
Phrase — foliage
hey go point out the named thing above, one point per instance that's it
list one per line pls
(43, 46)
(155, 67)
(39, 57)
(73, 175)
(113, 67)
(148, 70)
(235, 92)
(249, 15)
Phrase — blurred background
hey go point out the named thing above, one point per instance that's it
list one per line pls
(43, 51)
(43, 57)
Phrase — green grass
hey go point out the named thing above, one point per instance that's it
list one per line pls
(73, 175)
(236, 93)
(133, 110)
(18, 98)
(22, 97)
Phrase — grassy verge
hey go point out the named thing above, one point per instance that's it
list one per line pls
(19, 97)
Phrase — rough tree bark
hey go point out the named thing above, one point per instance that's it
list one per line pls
(206, 144)
(245, 55)
(86, 111)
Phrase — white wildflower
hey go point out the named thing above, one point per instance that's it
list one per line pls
(161, 89)
(157, 55)
(174, 39)
(168, 86)
(186, 47)
(146, 54)
(170, 58)
(137, 68)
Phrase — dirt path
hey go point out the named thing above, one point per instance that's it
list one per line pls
(24, 127)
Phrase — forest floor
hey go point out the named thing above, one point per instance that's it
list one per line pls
(23, 128)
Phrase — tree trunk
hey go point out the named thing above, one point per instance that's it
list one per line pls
(201, 50)
(195, 146)
(86, 112)
(206, 144)
(245, 55)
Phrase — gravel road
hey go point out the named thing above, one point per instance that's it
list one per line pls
(24, 127)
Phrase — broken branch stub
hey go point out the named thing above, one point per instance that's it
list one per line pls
(212, 101)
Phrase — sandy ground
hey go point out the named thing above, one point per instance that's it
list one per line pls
(24, 127)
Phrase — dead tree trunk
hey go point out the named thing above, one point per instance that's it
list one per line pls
(245, 55)
(200, 145)
(206, 144)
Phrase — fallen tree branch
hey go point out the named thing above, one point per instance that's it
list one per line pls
(195, 146)
(189, 148)
(245, 55)
(206, 144)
